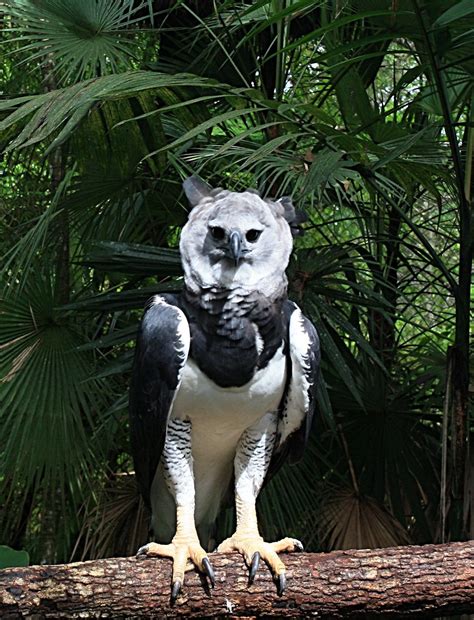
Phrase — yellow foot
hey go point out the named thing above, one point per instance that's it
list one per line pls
(254, 548)
(186, 555)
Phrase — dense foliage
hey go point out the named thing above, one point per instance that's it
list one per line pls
(362, 111)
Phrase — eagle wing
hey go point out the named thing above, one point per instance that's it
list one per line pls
(299, 401)
(160, 355)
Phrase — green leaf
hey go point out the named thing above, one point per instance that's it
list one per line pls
(401, 146)
(123, 300)
(11, 558)
(331, 351)
(133, 258)
(209, 124)
(76, 39)
(69, 105)
(322, 166)
(48, 404)
(458, 11)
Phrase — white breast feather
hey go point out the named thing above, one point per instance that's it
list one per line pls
(199, 398)
(219, 417)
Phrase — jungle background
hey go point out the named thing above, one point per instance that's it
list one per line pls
(362, 111)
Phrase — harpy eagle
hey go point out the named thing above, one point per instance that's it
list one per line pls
(224, 380)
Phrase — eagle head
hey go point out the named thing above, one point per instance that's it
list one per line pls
(236, 239)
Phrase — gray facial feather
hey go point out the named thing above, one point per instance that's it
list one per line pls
(197, 190)
(205, 259)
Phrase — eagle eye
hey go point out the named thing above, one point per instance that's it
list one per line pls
(217, 233)
(252, 235)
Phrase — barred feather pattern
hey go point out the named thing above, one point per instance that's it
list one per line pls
(177, 461)
(253, 457)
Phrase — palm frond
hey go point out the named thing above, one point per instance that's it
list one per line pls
(116, 524)
(67, 107)
(49, 406)
(136, 259)
(348, 520)
(77, 40)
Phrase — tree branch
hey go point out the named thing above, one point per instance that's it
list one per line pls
(433, 580)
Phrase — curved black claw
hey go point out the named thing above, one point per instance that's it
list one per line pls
(254, 567)
(175, 590)
(142, 551)
(281, 583)
(206, 565)
(298, 545)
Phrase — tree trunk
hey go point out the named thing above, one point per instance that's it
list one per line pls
(427, 581)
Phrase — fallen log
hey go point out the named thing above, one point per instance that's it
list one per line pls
(427, 581)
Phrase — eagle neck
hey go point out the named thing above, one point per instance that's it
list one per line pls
(273, 287)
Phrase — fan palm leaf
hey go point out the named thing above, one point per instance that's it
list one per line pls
(77, 40)
(348, 520)
(49, 405)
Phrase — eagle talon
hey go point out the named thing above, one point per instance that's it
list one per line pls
(254, 567)
(175, 590)
(255, 549)
(142, 551)
(209, 571)
(298, 545)
(186, 553)
(281, 583)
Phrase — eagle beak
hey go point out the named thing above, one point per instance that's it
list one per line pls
(235, 246)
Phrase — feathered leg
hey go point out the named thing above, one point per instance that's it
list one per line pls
(251, 463)
(177, 464)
